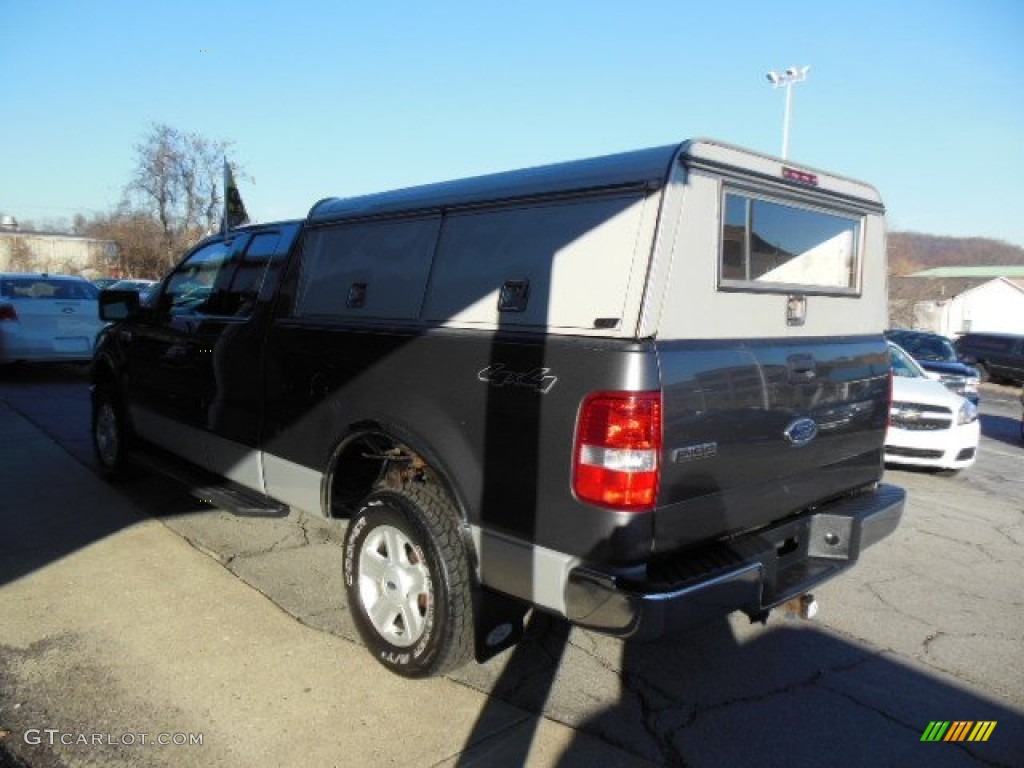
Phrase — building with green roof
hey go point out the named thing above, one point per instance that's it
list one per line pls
(973, 273)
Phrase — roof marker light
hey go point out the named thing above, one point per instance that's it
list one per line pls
(800, 177)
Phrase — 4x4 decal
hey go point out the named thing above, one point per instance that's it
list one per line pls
(537, 379)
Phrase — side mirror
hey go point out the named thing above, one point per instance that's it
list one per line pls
(118, 305)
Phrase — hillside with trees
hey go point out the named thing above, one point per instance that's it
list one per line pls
(911, 252)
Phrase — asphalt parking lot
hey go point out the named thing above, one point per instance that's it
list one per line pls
(927, 628)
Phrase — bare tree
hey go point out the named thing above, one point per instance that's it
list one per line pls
(21, 258)
(177, 181)
(139, 240)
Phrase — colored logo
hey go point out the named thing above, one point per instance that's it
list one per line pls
(958, 730)
(801, 432)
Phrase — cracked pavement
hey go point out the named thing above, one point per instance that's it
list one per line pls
(928, 626)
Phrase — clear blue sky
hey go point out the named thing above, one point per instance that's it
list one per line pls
(923, 99)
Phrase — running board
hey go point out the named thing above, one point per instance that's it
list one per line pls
(205, 486)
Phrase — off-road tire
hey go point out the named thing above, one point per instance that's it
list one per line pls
(408, 581)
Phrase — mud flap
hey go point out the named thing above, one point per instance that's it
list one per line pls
(499, 623)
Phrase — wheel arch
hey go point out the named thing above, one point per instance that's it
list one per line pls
(351, 475)
(102, 372)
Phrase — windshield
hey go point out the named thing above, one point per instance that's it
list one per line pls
(932, 348)
(903, 365)
(47, 288)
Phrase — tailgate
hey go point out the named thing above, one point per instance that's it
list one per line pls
(757, 429)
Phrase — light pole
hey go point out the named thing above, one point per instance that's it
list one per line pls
(787, 79)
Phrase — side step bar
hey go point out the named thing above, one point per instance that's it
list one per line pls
(221, 493)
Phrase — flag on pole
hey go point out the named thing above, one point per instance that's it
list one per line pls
(234, 209)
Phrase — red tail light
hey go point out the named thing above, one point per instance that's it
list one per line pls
(8, 312)
(618, 450)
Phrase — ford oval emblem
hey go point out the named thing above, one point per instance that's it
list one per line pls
(801, 432)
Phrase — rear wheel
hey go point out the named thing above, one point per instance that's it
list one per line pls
(408, 582)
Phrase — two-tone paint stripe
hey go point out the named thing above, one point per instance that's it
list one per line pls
(958, 730)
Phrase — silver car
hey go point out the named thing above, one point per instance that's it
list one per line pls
(47, 318)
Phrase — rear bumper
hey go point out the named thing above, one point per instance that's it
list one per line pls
(22, 347)
(752, 573)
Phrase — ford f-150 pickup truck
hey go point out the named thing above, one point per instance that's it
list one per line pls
(636, 391)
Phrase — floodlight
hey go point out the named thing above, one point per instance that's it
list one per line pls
(787, 79)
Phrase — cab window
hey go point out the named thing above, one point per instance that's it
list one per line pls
(240, 297)
(190, 287)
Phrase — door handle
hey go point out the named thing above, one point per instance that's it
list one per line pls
(802, 368)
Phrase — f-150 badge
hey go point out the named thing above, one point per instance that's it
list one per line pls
(695, 452)
(538, 379)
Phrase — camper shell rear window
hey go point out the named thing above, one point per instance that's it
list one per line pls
(775, 245)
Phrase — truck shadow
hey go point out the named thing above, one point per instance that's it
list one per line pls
(790, 694)
(52, 505)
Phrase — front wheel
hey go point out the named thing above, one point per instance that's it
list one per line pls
(109, 434)
(408, 582)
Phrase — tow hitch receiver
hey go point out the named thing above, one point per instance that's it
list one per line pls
(804, 606)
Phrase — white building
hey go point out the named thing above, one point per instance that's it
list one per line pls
(994, 306)
(27, 251)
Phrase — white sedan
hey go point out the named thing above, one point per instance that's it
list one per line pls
(929, 426)
(47, 318)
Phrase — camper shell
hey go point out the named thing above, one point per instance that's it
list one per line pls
(630, 207)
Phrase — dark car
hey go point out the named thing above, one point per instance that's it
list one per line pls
(937, 354)
(999, 357)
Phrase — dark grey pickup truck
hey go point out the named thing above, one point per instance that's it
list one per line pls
(636, 391)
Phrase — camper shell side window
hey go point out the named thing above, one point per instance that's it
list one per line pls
(374, 269)
(564, 264)
(574, 262)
